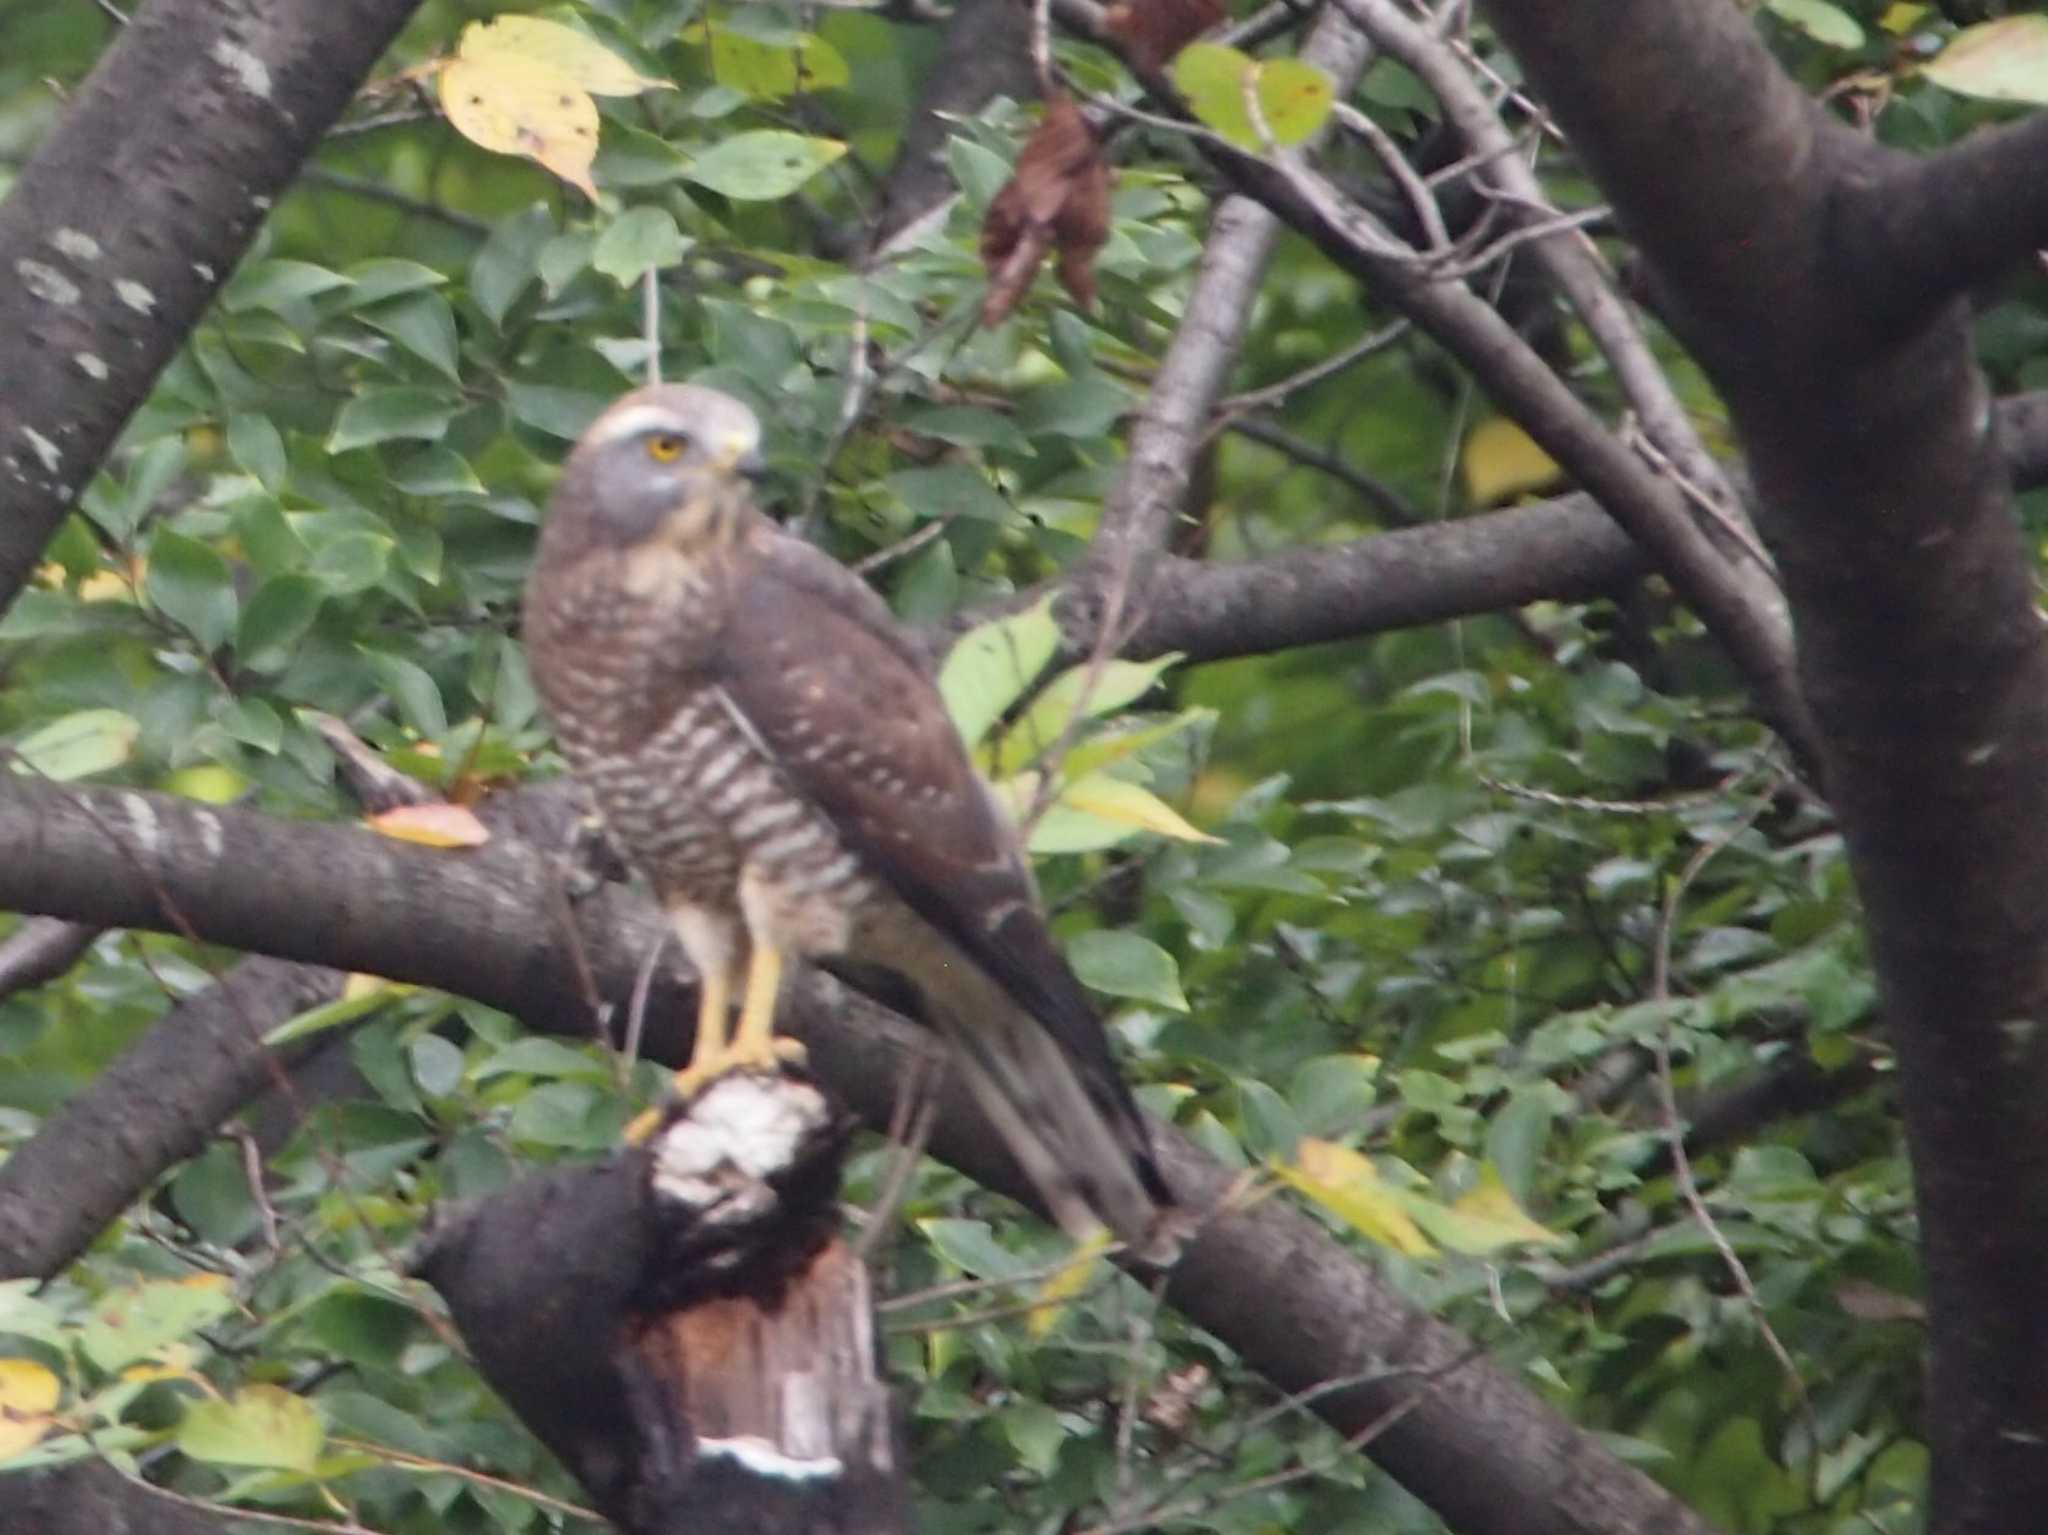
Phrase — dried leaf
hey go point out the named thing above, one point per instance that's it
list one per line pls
(515, 105)
(1873, 1303)
(586, 62)
(1346, 1183)
(28, 1395)
(436, 825)
(1153, 31)
(1059, 197)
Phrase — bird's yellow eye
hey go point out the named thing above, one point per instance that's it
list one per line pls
(665, 447)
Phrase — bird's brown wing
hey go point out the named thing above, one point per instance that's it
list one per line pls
(816, 665)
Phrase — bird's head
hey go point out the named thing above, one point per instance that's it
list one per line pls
(666, 466)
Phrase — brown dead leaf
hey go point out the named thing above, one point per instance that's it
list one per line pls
(1153, 31)
(1058, 198)
(436, 825)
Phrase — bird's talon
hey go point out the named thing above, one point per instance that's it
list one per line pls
(698, 1075)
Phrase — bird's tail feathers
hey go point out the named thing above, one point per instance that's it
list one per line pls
(1086, 1151)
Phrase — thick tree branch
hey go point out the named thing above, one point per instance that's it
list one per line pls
(113, 1138)
(1941, 225)
(1921, 653)
(1568, 258)
(1473, 1441)
(1563, 550)
(1738, 603)
(135, 210)
(984, 53)
(40, 950)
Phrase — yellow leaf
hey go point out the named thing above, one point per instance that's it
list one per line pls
(362, 984)
(209, 783)
(1345, 1183)
(1501, 462)
(1488, 1215)
(28, 1395)
(437, 825)
(583, 60)
(1901, 17)
(1113, 799)
(1069, 1281)
(515, 105)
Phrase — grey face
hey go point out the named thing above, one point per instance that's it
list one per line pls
(660, 451)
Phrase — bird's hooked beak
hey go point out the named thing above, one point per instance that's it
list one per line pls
(741, 456)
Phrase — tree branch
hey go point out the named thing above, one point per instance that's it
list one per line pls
(157, 1105)
(1563, 550)
(1475, 1444)
(1888, 508)
(1174, 422)
(136, 208)
(1943, 224)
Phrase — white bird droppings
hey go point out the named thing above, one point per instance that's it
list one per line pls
(143, 823)
(76, 244)
(250, 72)
(46, 450)
(46, 282)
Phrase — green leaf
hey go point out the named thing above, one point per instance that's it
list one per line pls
(78, 745)
(1294, 98)
(992, 665)
(384, 277)
(361, 1327)
(632, 157)
(417, 695)
(384, 415)
(504, 263)
(437, 1065)
(642, 238)
(1822, 22)
(1124, 964)
(278, 285)
(188, 582)
(2002, 60)
(950, 490)
(139, 1320)
(352, 563)
(435, 471)
(558, 412)
(971, 1247)
(279, 613)
(763, 165)
(1035, 1433)
(257, 1426)
(258, 448)
(1086, 691)
(424, 325)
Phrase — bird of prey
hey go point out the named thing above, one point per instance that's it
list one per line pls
(768, 748)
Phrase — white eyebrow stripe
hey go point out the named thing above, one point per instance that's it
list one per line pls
(632, 421)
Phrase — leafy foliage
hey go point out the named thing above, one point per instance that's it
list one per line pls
(1402, 923)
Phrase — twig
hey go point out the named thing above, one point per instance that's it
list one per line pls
(1338, 362)
(1674, 1131)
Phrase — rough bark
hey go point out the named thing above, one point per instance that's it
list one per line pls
(136, 208)
(698, 1350)
(1889, 512)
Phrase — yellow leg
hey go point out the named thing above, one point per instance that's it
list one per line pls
(709, 1055)
(754, 1043)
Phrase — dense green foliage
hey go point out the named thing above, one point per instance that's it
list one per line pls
(1468, 882)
